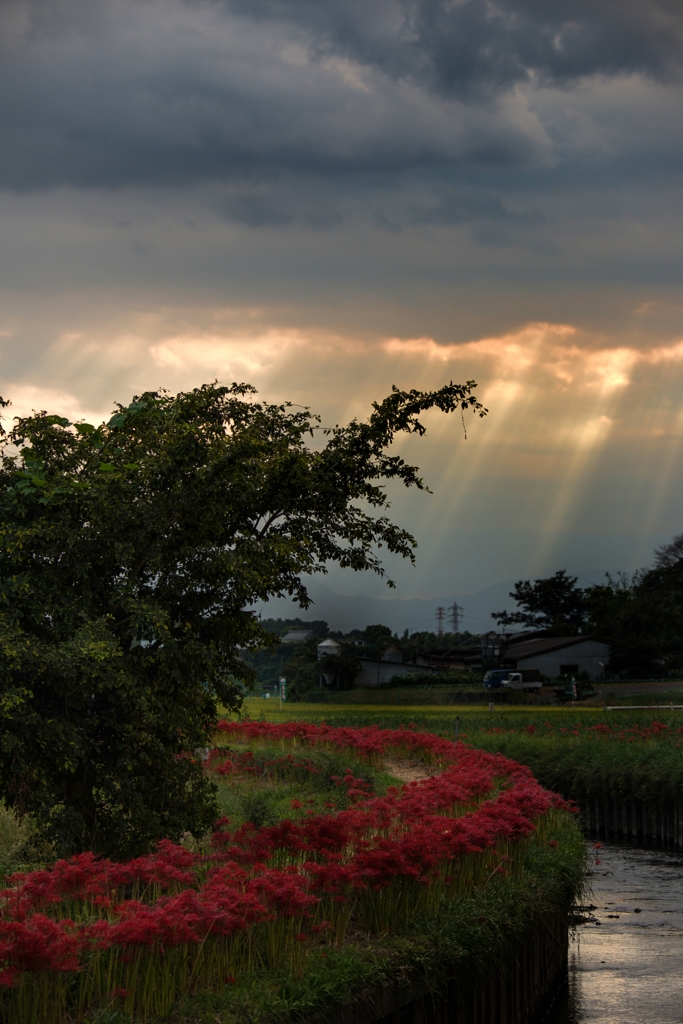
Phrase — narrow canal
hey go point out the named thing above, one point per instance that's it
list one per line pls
(626, 958)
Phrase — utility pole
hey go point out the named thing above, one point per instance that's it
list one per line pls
(455, 614)
(440, 616)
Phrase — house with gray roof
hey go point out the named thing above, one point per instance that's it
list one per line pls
(554, 656)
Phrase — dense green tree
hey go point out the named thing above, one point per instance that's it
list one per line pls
(642, 616)
(377, 635)
(282, 626)
(130, 554)
(306, 671)
(302, 669)
(554, 604)
(669, 554)
(608, 606)
(339, 671)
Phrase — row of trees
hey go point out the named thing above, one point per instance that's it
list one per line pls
(640, 614)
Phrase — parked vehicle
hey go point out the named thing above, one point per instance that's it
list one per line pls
(573, 690)
(494, 679)
(516, 681)
(507, 677)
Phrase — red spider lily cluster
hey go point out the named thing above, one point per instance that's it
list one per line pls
(656, 730)
(369, 742)
(244, 763)
(92, 932)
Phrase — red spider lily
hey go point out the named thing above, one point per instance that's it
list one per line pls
(187, 916)
(38, 944)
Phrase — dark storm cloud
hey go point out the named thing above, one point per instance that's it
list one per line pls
(119, 92)
(466, 47)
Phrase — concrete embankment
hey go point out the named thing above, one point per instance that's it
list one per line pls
(633, 821)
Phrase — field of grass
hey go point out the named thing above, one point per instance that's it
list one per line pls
(581, 752)
(646, 691)
(274, 786)
(422, 695)
(270, 710)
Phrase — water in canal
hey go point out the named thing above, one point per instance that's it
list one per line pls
(626, 959)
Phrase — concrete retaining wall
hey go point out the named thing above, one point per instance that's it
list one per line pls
(633, 821)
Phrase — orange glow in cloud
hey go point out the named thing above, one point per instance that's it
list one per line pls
(555, 406)
(545, 385)
(542, 347)
(558, 401)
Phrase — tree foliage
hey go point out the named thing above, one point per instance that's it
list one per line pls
(555, 604)
(377, 635)
(669, 554)
(339, 671)
(640, 615)
(130, 554)
(644, 619)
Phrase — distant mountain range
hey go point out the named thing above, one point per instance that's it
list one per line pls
(345, 612)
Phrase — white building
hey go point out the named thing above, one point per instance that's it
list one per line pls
(375, 672)
(328, 647)
(556, 656)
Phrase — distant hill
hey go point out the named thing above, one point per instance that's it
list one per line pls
(345, 612)
(282, 626)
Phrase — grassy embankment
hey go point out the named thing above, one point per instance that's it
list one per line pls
(471, 927)
(473, 932)
(581, 752)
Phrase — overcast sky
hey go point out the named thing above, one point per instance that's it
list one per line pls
(325, 197)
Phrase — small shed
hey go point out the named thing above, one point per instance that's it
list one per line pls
(556, 656)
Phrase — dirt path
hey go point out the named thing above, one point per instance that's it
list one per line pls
(407, 770)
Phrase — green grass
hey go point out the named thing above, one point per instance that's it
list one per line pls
(474, 933)
(661, 697)
(565, 755)
(423, 696)
(379, 714)
(582, 765)
(265, 796)
(471, 936)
